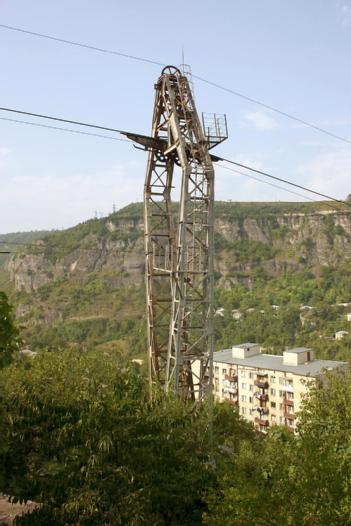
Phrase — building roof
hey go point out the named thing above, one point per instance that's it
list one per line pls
(299, 350)
(245, 345)
(275, 363)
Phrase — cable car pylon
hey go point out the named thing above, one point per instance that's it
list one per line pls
(179, 239)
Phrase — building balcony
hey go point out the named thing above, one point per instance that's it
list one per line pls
(289, 415)
(262, 384)
(232, 390)
(261, 421)
(263, 397)
(288, 402)
(231, 377)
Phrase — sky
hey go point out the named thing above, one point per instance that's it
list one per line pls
(293, 55)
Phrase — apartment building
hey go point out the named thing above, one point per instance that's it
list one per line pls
(267, 389)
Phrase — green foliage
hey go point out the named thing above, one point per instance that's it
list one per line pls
(245, 250)
(293, 479)
(81, 437)
(332, 230)
(8, 332)
(289, 325)
(261, 210)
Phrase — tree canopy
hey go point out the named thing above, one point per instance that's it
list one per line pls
(8, 331)
(82, 439)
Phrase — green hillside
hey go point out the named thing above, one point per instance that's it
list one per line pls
(283, 267)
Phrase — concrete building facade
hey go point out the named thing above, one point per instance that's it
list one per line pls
(267, 389)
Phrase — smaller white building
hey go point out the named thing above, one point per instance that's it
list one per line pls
(220, 312)
(236, 314)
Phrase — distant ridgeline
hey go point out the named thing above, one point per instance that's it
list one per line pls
(281, 272)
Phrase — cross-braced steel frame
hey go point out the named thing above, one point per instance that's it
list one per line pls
(179, 244)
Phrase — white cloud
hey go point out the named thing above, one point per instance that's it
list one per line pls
(260, 120)
(344, 8)
(329, 173)
(4, 151)
(58, 201)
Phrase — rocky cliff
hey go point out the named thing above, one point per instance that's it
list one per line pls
(270, 242)
(86, 283)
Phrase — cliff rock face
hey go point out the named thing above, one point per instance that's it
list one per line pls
(94, 253)
(270, 242)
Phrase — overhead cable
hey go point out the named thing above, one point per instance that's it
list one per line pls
(58, 119)
(201, 79)
(272, 108)
(64, 129)
(291, 183)
(81, 44)
(327, 203)
(215, 157)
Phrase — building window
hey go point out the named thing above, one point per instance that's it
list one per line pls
(281, 420)
(280, 407)
(282, 381)
(243, 410)
(216, 370)
(250, 399)
(273, 404)
(243, 386)
(224, 371)
(251, 375)
(251, 387)
(273, 419)
(281, 394)
(272, 379)
(273, 392)
(243, 374)
(243, 398)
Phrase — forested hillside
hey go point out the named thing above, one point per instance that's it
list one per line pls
(282, 278)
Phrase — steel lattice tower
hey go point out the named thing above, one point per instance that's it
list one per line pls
(179, 241)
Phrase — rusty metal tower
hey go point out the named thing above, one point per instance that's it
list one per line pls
(179, 242)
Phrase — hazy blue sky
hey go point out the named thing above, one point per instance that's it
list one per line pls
(294, 55)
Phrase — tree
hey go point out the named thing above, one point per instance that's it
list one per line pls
(8, 332)
(83, 439)
(287, 479)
